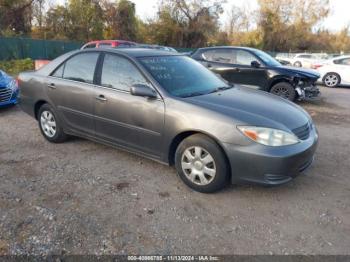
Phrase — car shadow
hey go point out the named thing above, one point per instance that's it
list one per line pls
(8, 108)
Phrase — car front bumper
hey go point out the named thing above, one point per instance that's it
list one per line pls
(268, 165)
(310, 92)
(11, 101)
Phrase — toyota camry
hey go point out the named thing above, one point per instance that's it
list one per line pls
(170, 108)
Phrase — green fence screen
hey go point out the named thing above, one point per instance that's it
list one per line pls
(20, 48)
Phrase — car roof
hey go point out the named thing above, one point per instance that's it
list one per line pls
(340, 57)
(109, 41)
(135, 52)
(228, 47)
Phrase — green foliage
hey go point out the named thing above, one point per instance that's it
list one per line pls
(15, 15)
(276, 25)
(14, 67)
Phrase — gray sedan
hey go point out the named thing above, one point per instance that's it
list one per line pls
(170, 108)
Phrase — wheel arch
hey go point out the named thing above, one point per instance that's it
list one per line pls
(183, 135)
(280, 80)
(37, 107)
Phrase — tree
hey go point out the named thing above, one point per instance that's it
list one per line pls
(16, 16)
(288, 24)
(85, 17)
(187, 23)
(121, 21)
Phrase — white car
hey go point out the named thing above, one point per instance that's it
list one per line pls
(304, 59)
(335, 71)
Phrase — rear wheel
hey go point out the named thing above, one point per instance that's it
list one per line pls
(331, 80)
(297, 64)
(284, 90)
(201, 164)
(50, 125)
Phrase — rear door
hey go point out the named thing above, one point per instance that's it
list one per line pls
(121, 118)
(71, 90)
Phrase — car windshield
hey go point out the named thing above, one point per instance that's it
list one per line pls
(268, 60)
(182, 76)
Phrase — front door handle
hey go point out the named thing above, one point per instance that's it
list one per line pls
(52, 86)
(209, 65)
(101, 98)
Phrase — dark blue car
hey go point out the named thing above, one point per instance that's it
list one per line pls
(8, 90)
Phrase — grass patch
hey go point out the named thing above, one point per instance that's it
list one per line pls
(14, 67)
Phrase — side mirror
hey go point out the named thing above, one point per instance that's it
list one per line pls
(255, 64)
(143, 90)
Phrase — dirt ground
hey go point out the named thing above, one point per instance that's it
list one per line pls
(85, 198)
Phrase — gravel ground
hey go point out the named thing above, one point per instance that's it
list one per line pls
(85, 198)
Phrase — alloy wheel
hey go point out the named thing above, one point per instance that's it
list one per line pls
(281, 91)
(198, 165)
(48, 124)
(331, 80)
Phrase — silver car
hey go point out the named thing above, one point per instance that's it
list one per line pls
(168, 107)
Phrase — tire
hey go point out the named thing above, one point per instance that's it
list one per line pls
(331, 80)
(50, 126)
(285, 90)
(201, 164)
(297, 64)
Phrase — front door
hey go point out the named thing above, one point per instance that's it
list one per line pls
(71, 91)
(122, 118)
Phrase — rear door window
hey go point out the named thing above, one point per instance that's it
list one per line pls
(79, 68)
(218, 55)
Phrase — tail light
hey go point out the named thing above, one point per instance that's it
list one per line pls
(315, 66)
(17, 81)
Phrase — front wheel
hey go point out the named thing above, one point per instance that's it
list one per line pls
(284, 90)
(201, 164)
(49, 125)
(331, 80)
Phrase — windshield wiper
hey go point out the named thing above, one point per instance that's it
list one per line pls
(195, 94)
(221, 88)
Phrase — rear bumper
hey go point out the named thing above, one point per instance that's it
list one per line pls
(270, 165)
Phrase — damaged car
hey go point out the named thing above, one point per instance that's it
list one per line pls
(256, 69)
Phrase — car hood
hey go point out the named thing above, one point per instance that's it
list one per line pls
(250, 107)
(301, 71)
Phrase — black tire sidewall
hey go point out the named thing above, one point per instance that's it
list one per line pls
(59, 136)
(290, 88)
(222, 167)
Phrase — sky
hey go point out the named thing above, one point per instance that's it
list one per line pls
(337, 20)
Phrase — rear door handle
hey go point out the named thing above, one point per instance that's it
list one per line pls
(101, 98)
(52, 86)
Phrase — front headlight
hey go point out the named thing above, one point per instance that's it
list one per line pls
(268, 136)
(12, 85)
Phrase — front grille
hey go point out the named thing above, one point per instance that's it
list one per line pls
(5, 95)
(302, 132)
